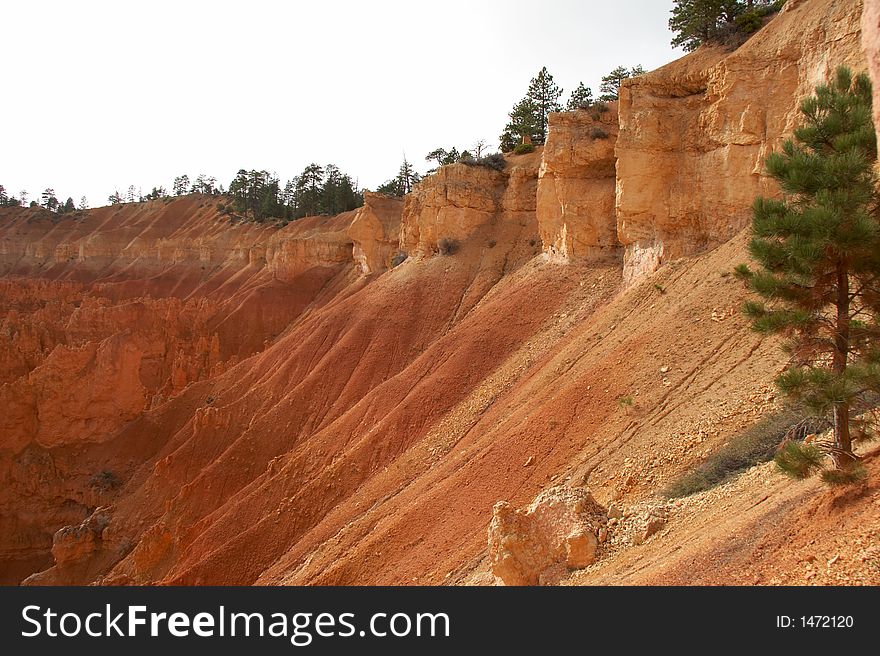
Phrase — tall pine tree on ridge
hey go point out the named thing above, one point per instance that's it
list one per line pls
(819, 256)
(528, 118)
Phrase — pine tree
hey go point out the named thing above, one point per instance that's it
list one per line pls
(255, 194)
(288, 198)
(67, 207)
(439, 155)
(309, 191)
(6, 200)
(403, 182)
(610, 87)
(545, 95)
(181, 185)
(269, 207)
(331, 192)
(695, 22)
(48, 200)
(819, 256)
(83, 203)
(444, 157)
(115, 198)
(338, 193)
(205, 184)
(238, 189)
(260, 194)
(406, 177)
(528, 118)
(581, 98)
(523, 123)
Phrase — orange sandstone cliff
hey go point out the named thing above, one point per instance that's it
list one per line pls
(344, 400)
(695, 133)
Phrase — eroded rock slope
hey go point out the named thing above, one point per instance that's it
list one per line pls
(346, 399)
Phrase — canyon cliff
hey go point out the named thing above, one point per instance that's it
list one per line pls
(695, 133)
(871, 45)
(344, 400)
(575, 197)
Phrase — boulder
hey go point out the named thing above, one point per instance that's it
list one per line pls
(557, 532)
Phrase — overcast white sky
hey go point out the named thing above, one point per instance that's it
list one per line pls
(101, 95)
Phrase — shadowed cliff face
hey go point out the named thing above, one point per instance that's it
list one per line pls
(188, 400)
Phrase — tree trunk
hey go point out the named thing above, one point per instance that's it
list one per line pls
(842, 454)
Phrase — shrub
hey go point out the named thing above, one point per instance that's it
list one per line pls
(104, 481)
(753, 19)
(524, 148)
(398, 259)
(597, 109)
(749, 21)
(729, 35)
(757, 443)
(625, 401)
(494, 161)
(598, 133)
(447, 246)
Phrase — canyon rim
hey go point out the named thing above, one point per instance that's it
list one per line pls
(491, 379)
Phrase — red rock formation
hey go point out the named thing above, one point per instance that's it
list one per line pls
(120, 309)
(575, 203)
(871, 46)
(246, 407)
(462, 202)
(694, 134)
(375, 232)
